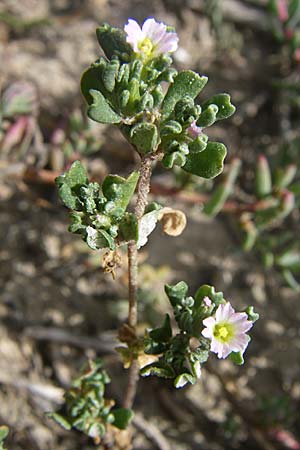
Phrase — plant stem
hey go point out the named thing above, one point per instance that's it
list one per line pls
(143, 189)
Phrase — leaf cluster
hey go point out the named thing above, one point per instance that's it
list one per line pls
(123, 89)
(275, 197)
(285, 23)
(87, 409)
(181, 354)
(99, 214)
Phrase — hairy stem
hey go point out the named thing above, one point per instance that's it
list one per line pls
(143, 189)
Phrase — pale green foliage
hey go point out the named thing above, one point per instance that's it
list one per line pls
(100, 216)
(87, 409)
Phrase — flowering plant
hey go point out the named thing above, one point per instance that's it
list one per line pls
(285, 24)
(124, 88)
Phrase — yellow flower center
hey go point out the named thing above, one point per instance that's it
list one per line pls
(223, 332)
(146, 46)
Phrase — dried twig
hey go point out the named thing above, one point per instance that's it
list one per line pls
(46, 391)
(101, 344)
(237, 12)
(151, 432)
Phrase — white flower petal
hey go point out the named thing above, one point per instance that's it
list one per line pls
(168, 43)
(208, 333)
(238, 316)
(154, 30)
(134, 34)
(215, 346)
(209, 322)
(223, 312)
(225, 351)
(239, 343)
(243, 327)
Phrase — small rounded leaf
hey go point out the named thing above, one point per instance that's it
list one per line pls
(208, 163)
(122, 417)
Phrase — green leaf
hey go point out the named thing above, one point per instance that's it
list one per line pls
(76, 225)
(92, 80)
(101, 220)
(250, 235)
(171, 127)
(69, 185)
(128, 228)
(252, 315)
(146, 102)
(217, 200)
(225, 107)
(120, 190)
(157, 95)
(67, 197)
(285, 176)
(291, 280)
(122, 417)
(208, 291)
(164, 333)
(224, 190)
(201, 353)
(237, 358)
(186, 82)
(208, 116)
(134, 97)
(89, 195)
(110, 74)
(184, 379)
(97, 239)
(144, 137)
(75, 176)
(289, 259)
(176, 292)
(176, 158)
(159, 369)
(208, 163)
(61, 420)
(113, 42)
(100, 110)
(3, 432)
(153, 348)
(199, 144)
(263, 180)
(124, 98)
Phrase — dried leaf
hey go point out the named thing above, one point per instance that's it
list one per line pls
(173, 221)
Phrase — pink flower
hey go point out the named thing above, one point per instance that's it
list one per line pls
(283, 12)
(152, 39)
(193, 130)
(207, 301)
(227, 331)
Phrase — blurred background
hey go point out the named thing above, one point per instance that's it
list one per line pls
(58, 307)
